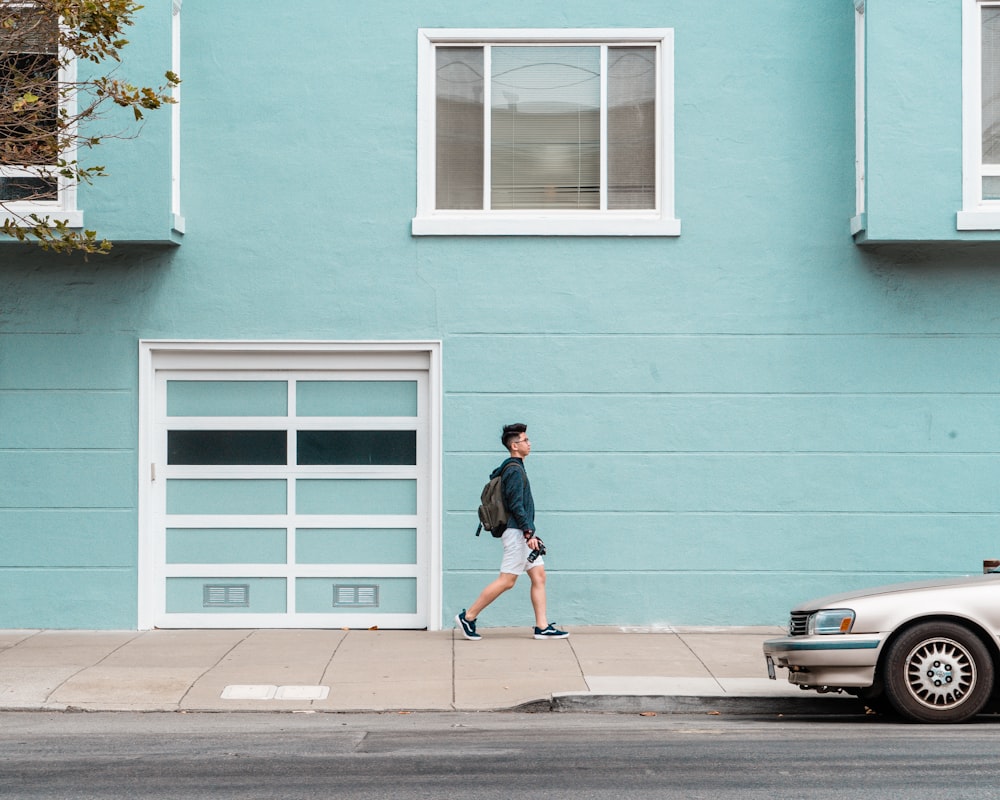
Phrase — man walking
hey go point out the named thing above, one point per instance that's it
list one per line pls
(520, 544)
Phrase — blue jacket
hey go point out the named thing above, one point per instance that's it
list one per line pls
(517, 497)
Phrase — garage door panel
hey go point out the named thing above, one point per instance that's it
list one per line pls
(347, 398)
(356, 546)
(193, 496)
(230, 398)
(356, 447)
(355, 496)
(227, 448)
(226, 595)
(375, 595)
(227, 545)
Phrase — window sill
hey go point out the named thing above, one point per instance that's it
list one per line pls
(979, 220)
(73, 219)
(496, 224)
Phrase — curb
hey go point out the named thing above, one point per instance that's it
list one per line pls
(565, 703)
(580, 702)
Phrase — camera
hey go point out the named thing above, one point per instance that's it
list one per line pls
(539, 551)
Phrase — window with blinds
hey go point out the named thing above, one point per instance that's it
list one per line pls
(529, 132)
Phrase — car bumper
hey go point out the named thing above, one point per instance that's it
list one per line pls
(833, 661)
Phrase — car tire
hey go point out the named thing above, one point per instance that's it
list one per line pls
(938, 672)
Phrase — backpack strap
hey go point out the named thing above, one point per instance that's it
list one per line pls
(503, 472)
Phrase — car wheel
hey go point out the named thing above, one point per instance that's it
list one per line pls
(938, 672)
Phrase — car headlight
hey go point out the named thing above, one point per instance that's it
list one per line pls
(831, 620)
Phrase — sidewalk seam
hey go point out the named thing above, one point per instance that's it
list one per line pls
(700, 661)
(48, 697)
(329, 663)
(579, 666)
(183, 697)
(19, 642)
(454, 673)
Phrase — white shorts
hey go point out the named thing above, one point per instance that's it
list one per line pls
(515, 553)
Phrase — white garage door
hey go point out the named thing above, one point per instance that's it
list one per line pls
(290, 486)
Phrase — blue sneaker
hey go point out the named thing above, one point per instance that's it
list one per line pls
(468, 627)
(550, 632)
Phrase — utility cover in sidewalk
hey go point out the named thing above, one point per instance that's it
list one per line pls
(268, 692)
(302, 693)
(249, 692)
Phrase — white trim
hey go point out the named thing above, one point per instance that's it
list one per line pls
(976, 213)
(499, 224)
(74, 219)
(980, 219)
(614, 36)
(239, 620)
(971, 106)
(430, 221)
(860, 77)
(604, 129)
(487, 131)
(177, 219)
(297, 571)
(289, 356)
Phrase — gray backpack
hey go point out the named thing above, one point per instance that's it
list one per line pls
(492, 512)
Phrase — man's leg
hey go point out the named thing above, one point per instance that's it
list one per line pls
(543, 630)
(537, 575)
(490, 593)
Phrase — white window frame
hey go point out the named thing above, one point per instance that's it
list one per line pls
(858, 222)
(175, 120)
(225, 355)
(64, 207)
(659, 221)
(976, 213)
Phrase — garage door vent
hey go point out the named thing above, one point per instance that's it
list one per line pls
(226, 595)
(346, 595)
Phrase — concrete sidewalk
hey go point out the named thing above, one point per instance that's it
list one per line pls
(595, 669)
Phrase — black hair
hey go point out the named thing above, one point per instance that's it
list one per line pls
(511, 432)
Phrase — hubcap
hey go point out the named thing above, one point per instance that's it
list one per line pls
(940, 673)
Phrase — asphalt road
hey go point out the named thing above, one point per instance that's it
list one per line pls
(452, 755)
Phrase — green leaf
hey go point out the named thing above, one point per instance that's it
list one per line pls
(25, 100)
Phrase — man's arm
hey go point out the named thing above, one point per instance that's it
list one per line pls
(512, 484)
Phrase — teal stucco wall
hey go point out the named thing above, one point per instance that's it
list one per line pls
(913, 113)
(724, 423)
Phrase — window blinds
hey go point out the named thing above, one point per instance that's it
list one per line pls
(548, 109)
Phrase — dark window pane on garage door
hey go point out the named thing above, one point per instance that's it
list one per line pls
(357, 447)
(227, 447)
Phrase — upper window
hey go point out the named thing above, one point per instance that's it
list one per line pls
(31, 76)
(981, 115)
(545, 132)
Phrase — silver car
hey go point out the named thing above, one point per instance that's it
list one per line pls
(926, 651)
